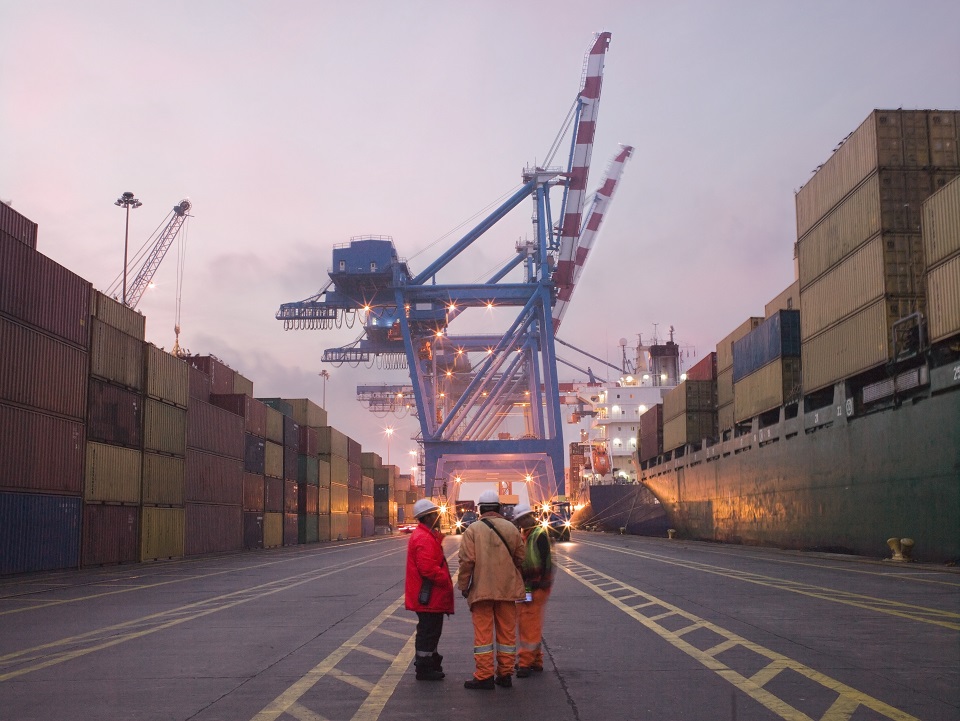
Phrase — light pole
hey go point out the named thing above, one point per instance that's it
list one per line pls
(126, 201)
(389, 431)
(325, 374)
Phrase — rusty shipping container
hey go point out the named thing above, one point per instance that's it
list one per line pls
(113, 473)
(273, 459)
(272, 530)
(42, 294)
(114, 415)
(116, 315)
(253, 530)
(887, 139)
(650, 438)
(332, 442)
(220, 374)
(291, 529)
(943, 300)
(306, 412)
(110, 534)
(211, 478)
(18, 227)
(41, 372)
(772, 386)
(255, 454)
(116, 356)
(308, 527)
(274, 426)
(689, 397)
(167, 377)
(941, 224)
(198, 384)
(161, 533)
(40, 452)
(39, 532)
(253, 492)
(164, 428)
(309, 442)
(163, 480)
(253, 411)
(273, 494)
(212, 528)
(215, 430)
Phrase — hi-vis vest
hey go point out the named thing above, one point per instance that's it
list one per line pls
(535, 570)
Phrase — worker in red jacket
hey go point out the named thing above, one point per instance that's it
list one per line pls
(428, 588)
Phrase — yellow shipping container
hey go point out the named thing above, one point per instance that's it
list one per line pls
(689, 428)
(694, 396)
(725, 387)
(338, 527)
(725, 417)
(167, 376)
(161, 533)
(332, 441)
(338, 498)
(323, 527)
(116, 315)
(113, 474)
(273, 460)
(325, 474)
(943, 300)
(307, 413)
(788, 299)
(116, 356)
(272, 530)
(324, 499)
(162, 480)
(767, 388)
(274, 425)
(164, 428)
(941, 224)
(242, 385)
(339, 469)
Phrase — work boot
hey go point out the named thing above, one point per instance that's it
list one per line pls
(426, 670)
(437, 662)
(522, 672)
(504, 681)
(480, 684)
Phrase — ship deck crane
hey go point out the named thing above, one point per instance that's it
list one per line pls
(464, 385)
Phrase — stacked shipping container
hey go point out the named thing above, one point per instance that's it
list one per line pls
(941, 245)
(689, 413)
(725, 411)
(766, 366)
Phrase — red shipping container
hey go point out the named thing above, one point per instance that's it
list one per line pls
(215, 430)
(309, 499)
(354, 451)
(110, 534)
(209, 478)
(290, 497)
(253, 411)
(43, 294)
(212, 528)
(252, 492)
(221, 375)
(354, 500)
(705, 369)
(309, 441)
(42, 372)
(199, 385)
(253, 530)
(651, 433)
(17, 227)
(354, 525)
(39, 452)
(114, 415)
(291, 529)
(354, 476)
(273, 494)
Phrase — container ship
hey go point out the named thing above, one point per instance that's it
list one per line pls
(832, 422)
(114, 451)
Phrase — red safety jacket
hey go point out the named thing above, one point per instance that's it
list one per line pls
(425, 559)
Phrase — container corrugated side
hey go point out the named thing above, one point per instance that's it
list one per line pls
(253, 493)
(116, 356)
(324, 472)
(366, 485)
(691, 427)
(116, 315)
(705, 369)
(163, 480)
(291, 526)
(725, 420)
(689, 396)
(17, 226)
(253, 411)
(338, 498)
(323, 527)
(367, 526)
(215, 430)
(211, 478)
(778, 336)
(308, 470)
(725, 387)
(370, 460)
(309, 501)
(943, 300)
(252, 530)
(366, 505)
(40, 452)
(161, 533)
(354, 450)
(339, 469)
(650, 436)
(167, 377)
(787, 299)
(41, 372)
(110, 534)
(354, 475)
(854, 345)
(113, 473)
(332, 441)
(114, 414)
(354, 525)
(242, 385)
(274, 425)
(273, 460)
(220, 375)
(291, 434)
(725, 346)
(39, 532)
(309, 442)
(198, 383)
(309, 528)
(941, 224)
(307, 413)
(273, 494)
(291, 496)
(770, 387)
(354, 501)
(323, 499)
(272, 530)
(42, 294)
(255, 454)
(164, 427)
(338, 526)
(212, 528)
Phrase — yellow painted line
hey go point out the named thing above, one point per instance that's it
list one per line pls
(376, 653)
(302, 713)
(753, 686)
(355, 681)
(935, 616)
(156, 622)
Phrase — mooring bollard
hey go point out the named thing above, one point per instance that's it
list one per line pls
(671, 533)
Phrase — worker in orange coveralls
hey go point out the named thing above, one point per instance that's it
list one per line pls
(491, 553)
(537, 574)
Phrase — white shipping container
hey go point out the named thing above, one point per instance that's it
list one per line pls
(943, 300)
(941, 224)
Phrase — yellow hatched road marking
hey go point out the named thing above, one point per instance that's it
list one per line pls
(753, 686)
(935, 616)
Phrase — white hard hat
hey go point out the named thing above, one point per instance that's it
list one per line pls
(521, 510)
(489, 498)
(423, 507)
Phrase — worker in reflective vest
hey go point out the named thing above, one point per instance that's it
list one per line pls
(537, 574)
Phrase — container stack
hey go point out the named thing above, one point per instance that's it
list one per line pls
(44, 356)
(384, 491)
(334, 451)
(766, 366)
(213, 490)
(367, 522)
(725, 410)
(354, 489)
(403, 493)
(689, 414)
(941, 238)
(859, 245)
(283, 442)
(310, 417)
(650, 436)
(113, 525)
(254, 414)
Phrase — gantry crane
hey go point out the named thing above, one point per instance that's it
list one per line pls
(464, 386)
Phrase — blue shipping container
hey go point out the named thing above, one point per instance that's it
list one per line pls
(777, 337)
(38, 532)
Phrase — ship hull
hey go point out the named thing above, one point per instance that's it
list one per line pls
(846, 484)
(630, 508)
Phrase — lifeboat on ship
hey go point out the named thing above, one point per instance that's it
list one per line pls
(599, 459)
